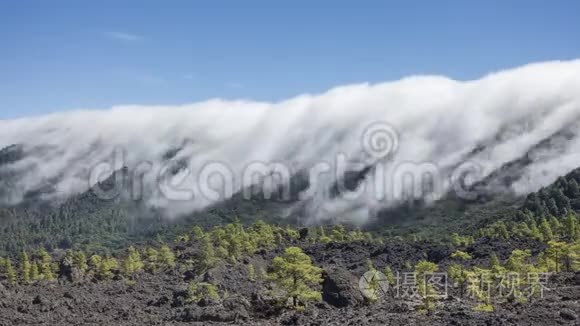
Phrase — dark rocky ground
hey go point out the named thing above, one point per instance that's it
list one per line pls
(160, 299)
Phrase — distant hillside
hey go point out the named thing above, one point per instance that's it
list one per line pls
(557, 199)
(102, 226)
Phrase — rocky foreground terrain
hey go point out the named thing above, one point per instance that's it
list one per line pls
(159, 299)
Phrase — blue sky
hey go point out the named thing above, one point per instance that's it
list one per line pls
(61, 55)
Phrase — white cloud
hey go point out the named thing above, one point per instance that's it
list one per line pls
(440, 121)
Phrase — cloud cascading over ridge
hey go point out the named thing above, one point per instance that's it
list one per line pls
(490, 122)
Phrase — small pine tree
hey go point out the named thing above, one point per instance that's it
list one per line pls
(391, 279)
(206, 258)
(577, 235)
(132, 263)
(501, 230)
(292, 233)
(265, 235)
(426, 290)
(34, 272)
(25, 268)
(523, 230)
(475, 279)
(535, 231)
(197, 291)
(555, 225)
(279, 239)
(546, 230)
(553, 207)
(312, 236)
(517, 262)
(95, 262)
(166, 257)
(461, 255)
(457, 271)
(373, 283)
(80, 261)
(323, 238)
(151, 260)
(338, 233)
(570, 226)
(251, 273)
(106, 268)
(556, 252)
(573, 189)
(294, 274)
(455, 239)
(46, 266)
(198, 232)
(10, 272)
(494, 261)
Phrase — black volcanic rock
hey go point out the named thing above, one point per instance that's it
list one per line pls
(340, 288)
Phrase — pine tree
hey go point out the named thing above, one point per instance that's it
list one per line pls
(292, 233)
(233, 242)
(312, 235)
(251, 272)
(206, 258)
(10, 272)
(106, 267)
(132, 263)
(80, 261)
(570, 226)
(517, 262)
(555, 225)
(34, 272)
(426, 290)
(25, 267)
(557, 253)
(553, 207)
(294, 274)
(577, 235)
(390, 276)
(152, 260)
(197, 291)
(546, 230)
(475, 279)
(264, 235)
(46, 266)
(545, 263)
(494, 261)
(456, 239)
(457, 270)
(198, 232)
(95, 262)
(373, 283)
(323, 237)
(562, 201)
(535, 231)
(338, 233)
(501, 230)
(461, 255)
(573, 189)
(166, 257)
(523, 230)
(279, 239)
